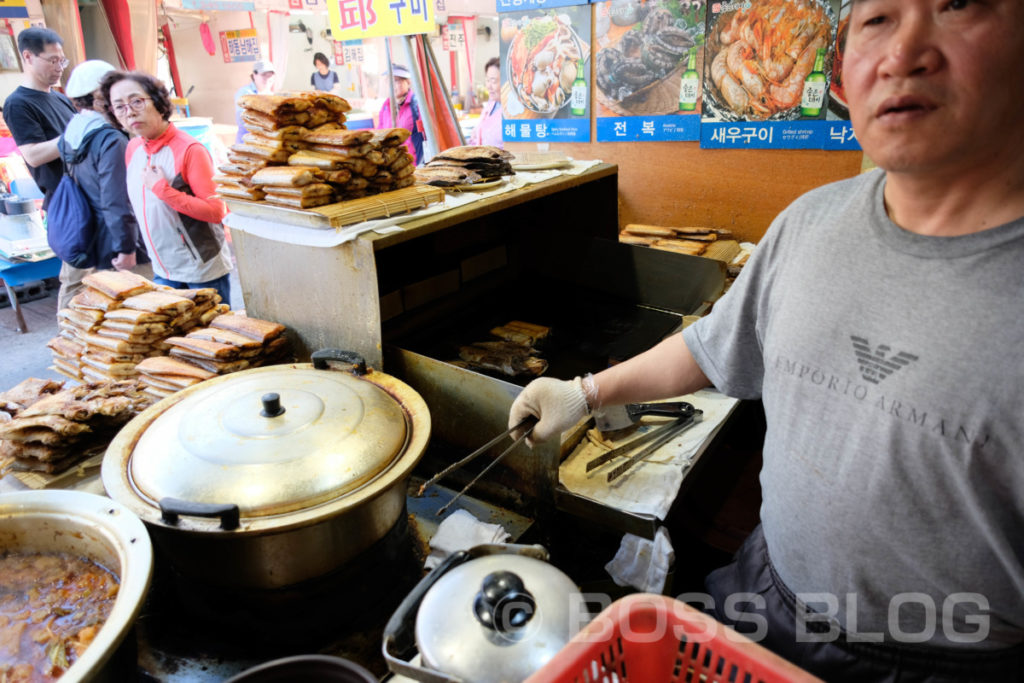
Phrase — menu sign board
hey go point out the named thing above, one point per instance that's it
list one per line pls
(545, 74)
(240, 46)
(357, 19)
(647, 65)
(767, 70)
(13, 9)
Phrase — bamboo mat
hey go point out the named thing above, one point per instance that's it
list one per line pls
(340, 214)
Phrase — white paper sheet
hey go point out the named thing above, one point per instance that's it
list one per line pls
(650, 486)
(327, 238)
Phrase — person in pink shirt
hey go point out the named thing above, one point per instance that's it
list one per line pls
(488, 129)
(408, 112)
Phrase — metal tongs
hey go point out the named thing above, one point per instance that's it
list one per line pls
(527, 425)
(686, 414)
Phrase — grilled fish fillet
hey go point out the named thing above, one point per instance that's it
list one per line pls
(118, 284)
(287, 176)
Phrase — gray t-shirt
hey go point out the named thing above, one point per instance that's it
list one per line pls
(891, 366)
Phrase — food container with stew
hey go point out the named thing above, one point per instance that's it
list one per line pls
(75, 569)
(269, 477)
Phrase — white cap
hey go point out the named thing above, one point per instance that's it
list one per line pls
(86, 77)
(399, 71)
(262, 67)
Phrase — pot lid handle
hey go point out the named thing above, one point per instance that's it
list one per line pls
(321, 360)
(503, 603)
(172, 508)
(272, 405)
(399, 633)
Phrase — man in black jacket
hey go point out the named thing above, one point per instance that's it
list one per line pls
(35, 113)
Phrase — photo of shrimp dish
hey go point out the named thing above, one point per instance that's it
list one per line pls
(542, 61)
(759, 57)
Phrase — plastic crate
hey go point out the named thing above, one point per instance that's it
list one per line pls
(649, 638)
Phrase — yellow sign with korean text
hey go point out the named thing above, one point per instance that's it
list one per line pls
(13, 9)
(355, 19)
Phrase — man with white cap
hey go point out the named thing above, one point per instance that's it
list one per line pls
(92, 149)
(261, 81)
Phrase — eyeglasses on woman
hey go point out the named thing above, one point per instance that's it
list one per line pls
(136, 104)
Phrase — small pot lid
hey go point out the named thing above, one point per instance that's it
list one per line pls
(498, 618)
(270, 441)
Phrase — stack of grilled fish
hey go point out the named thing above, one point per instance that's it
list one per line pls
(63, 428)
(285, 159)
(466, 165)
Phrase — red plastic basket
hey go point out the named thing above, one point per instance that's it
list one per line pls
(649, 638)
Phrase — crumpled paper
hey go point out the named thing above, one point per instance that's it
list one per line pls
(643, 563)
(461, 531)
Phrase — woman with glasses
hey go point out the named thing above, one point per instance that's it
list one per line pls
(170, 184)
(35, 112)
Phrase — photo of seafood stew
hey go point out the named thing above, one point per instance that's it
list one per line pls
(52, 605)
(542, 62)
(759, 57)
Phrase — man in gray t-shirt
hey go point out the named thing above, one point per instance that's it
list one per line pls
(879, 321)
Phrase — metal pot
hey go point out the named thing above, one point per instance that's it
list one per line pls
(269, 477)
(492, 614)
(95, 527)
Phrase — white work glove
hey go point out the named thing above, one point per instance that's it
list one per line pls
(557, 404)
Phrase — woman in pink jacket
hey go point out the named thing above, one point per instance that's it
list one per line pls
(408, 112)
(171, 188)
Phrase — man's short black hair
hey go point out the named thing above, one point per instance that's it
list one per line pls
(155, 90)
(35, 39)
(493, 61)
(321, 58)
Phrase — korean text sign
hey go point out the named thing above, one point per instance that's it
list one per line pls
(240, 46)
(356, 19)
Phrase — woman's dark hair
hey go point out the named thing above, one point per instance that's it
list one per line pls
(82, 103)
(154, 89)
(88, 101)
(493, 61)
(321, 58)
(35, 39)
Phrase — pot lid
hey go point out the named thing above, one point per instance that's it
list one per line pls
(270, 441)
(498, 618)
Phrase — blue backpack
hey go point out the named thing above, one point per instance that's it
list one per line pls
(70, 228)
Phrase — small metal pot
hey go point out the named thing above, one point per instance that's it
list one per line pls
(492, 614)
(269, 477)
(91, 526)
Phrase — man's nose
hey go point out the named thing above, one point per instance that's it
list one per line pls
(912, 49)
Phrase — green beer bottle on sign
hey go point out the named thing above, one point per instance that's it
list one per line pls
(814, 87)
(690, 85)
(578, 98)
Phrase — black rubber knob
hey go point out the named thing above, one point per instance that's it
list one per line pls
(272, 405)
(503, 603)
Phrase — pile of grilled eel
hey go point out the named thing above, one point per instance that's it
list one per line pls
(62, 428)
(122, 326)
(514, 355)
(467, 165)
(27, 392)
(121, 318)
(230, 343)
(285, 160)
